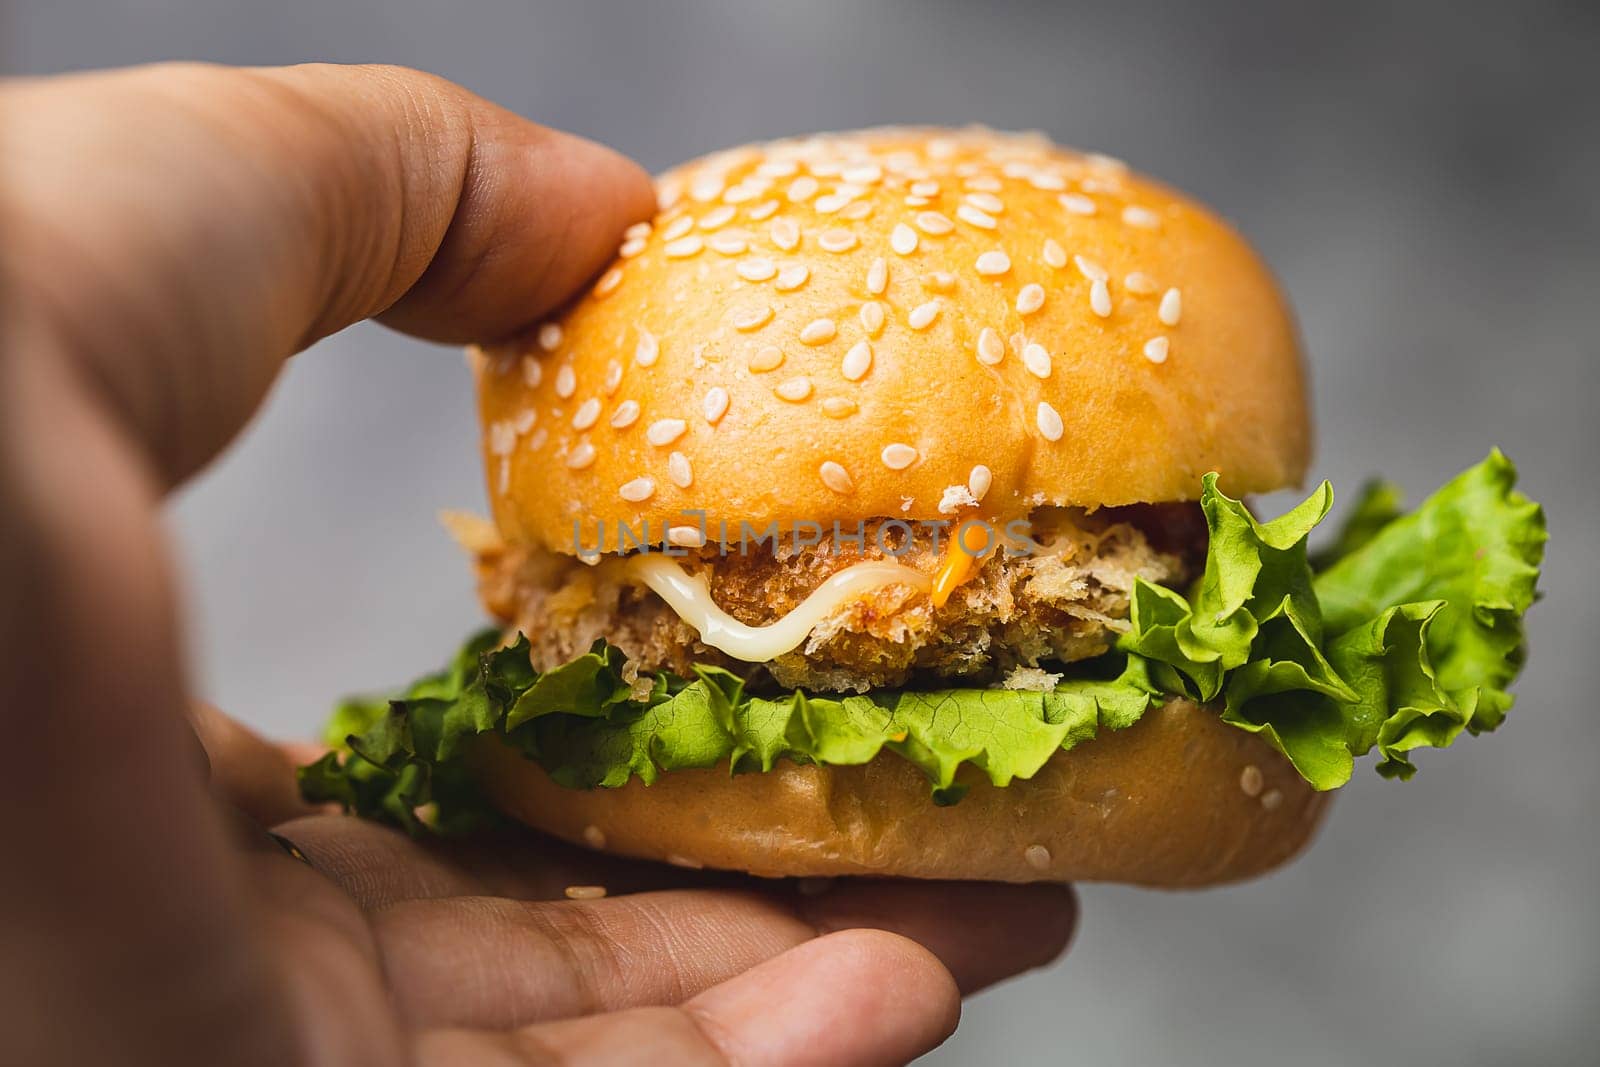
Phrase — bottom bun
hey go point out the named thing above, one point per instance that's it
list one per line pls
(1178, 799)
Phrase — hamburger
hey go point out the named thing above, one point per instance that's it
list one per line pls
(880, 510)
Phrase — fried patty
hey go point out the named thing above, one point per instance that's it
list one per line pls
(1065, 601)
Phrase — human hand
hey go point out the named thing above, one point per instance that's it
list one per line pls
(170, 236)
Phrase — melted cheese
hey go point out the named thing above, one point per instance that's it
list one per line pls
(691, 599)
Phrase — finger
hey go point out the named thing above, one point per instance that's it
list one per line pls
(379, 865)
(551, 960)
(252, 212)
(248, 771)
(983, 933)
(851, 998)
(496, 963)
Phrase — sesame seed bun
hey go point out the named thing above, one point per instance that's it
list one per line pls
(886, 322)
(1179, 799)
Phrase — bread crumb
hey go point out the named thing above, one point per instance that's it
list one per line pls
(955, 498)
(1031, 679)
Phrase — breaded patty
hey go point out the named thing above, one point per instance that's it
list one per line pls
(1065, 601)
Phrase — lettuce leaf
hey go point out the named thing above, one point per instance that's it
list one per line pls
(1401, 634)
(1408, 635)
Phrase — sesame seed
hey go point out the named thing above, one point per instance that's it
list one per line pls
(679, 226)
(1048, 419)
(715, 405)
(940, 281)
(984, 183)
(925, 188)
(764, 210)
(857, 211)
(585, 892)
(1155, 349)
(818, 331)
(1251, 781)
(638, 490)
(756, 269)
(613, 377)
(835, 477)
(934, 224)
(1037, 360)
(663, 432)
(1076, 203)
(1100, 161)
(626, 415)
(594, 837)
(566, 381)
(1142, 217)
(794, 390)
(995, 262)
(1271, 799)
(978, 482)
(1171, 309)
(1139, 282)
(792, 277)
(918, 201)
(648, 350)
(1090, 269)
(686, 536)
(679, 471)
(638, 231)
(827, 205)
(836, 240)
(731, 243)
(707, 187)
(838, 407)
(866, 173)
(973, 217)
(903, 239)
(878, 276)
(1047, 182)
(525, 420)
(872, 318)
(1054, 254)
(540, 436)
(1100, 299)
(684, 861)
(777, 168)
(785, 234)
(684, 247)
(632, 247)
(752, 318)
(1037, 857)
(767, 358)
(991, 350)
(986, 202)
(857, 361)
(550, 336)
(802, 189)
(897, 457)
(581, 457)
(1030, 299)
(502, 438)
(587, 415)
(532, 372)
(922, 315)
(716, 217)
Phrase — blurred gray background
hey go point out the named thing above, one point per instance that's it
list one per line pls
(1423, 176)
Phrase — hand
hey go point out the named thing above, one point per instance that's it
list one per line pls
(170, 235)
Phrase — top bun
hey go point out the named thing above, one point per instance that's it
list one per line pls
(897, 323)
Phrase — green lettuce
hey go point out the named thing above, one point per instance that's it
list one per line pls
(1401, 634)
